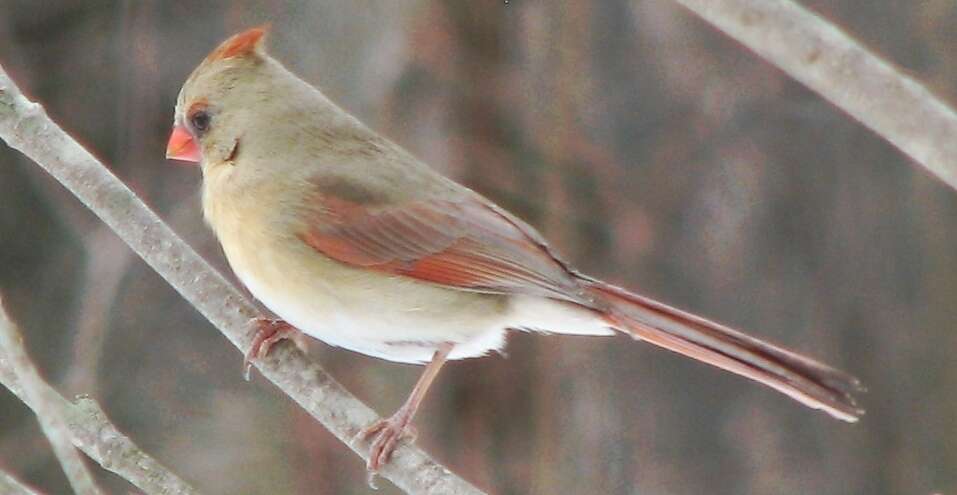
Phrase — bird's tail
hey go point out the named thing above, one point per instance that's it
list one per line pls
(803, 379)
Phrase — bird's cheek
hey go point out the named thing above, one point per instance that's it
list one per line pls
(182, 146)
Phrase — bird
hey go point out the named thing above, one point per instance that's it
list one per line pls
(348, 238)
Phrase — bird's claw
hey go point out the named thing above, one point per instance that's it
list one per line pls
(388, 433)
(268, 333)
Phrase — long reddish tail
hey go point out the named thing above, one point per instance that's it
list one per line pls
(814, 384)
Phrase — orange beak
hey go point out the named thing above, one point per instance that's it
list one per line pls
(182, 146)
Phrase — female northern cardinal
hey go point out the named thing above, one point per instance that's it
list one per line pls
(352, 240)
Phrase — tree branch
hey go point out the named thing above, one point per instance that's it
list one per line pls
(35, 391)
(837, 67)
(25, 126)
(86, 427)
(11, 486)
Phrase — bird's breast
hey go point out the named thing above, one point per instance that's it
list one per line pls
(374, 313)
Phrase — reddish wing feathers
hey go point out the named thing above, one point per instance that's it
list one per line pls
(472, 245)
(466, 244)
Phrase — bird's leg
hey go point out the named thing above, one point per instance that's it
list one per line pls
(389, 431)
(268, 332)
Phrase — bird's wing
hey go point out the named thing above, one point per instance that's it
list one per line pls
(467, 243)
(470, 244)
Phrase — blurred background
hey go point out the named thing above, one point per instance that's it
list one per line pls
(652, 151)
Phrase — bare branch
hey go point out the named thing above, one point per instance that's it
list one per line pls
(86, 426)
(25, 127)
(106, 263)
(11, 486)
(51, 420)
(830, 62)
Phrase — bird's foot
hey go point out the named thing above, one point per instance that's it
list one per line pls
(387, 432)
(268, 333)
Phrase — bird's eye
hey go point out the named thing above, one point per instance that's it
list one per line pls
(199, 120)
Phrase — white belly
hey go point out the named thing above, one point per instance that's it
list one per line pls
(383, 327)
(388, 316)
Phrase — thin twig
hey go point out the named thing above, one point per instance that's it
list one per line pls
(106, 262)
(51, 420)
(25, 126)
(840, 69)
(88, 428)
(12, 486)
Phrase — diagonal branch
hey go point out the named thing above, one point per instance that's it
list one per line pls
(25, 126)
(87, 427)
(12, 486)
(35, 391)
(840, 69)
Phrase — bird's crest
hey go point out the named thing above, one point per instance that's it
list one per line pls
(240, 45)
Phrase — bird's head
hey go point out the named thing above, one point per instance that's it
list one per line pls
(223, 99)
